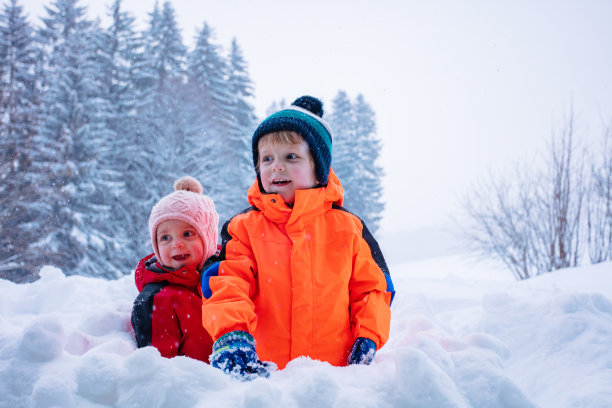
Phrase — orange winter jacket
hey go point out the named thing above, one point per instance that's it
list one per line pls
(304, 281)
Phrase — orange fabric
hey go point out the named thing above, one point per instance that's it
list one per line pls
(302, 281)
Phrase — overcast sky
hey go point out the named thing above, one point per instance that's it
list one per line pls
(458, 87)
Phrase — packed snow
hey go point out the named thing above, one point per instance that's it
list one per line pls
(462, 335)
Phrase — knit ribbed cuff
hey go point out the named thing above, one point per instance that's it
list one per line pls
(234, 338)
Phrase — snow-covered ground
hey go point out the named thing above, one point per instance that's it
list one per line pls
(462, 335)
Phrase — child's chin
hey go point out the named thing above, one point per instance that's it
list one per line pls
(179, 265)
(288, 199)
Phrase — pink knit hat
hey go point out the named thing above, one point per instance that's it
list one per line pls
(188, 204)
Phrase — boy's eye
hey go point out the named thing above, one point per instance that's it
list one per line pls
(292, 156)
(266, 158)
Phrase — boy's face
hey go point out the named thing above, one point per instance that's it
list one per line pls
(179, 245)
(285, 168)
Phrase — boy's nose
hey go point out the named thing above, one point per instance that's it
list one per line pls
(278, 166)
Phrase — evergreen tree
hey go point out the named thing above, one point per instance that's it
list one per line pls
(343, 146)
(370, 184)
(275, 106)
(123, 50)
(218, 92)
(165, 48)
(17, 82)
(18, 103)
(124, 72)
(161, 112)
(356, 151)
(72, 136)
(239, 140)
(207, 79)
(210, 106)
(241, 88)
(156, 84)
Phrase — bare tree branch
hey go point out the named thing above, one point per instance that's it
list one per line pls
(531, 218)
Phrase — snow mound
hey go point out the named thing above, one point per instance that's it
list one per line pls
(458, 339)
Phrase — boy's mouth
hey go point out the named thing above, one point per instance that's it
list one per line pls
(181, 257)
(281, 182)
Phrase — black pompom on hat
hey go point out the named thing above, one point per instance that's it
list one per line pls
(304, 117)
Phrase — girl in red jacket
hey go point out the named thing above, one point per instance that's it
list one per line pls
(167, 314)
(298, 274)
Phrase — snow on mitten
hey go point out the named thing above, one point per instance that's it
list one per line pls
(362, 352)
(234, 354)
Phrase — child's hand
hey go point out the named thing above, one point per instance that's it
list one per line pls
(234, 354)
(362, 352)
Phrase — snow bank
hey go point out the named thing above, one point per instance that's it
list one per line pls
(461, 337)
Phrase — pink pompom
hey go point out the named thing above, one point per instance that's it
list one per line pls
(188, 183)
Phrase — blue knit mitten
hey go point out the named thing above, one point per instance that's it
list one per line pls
(234, 354)
(362, 352)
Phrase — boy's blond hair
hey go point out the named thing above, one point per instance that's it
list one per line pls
(281, 137)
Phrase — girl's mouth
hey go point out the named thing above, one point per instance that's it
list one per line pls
(181, 257)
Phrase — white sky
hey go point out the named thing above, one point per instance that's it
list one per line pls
(458, 86)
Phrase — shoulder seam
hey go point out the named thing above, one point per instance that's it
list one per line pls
(370, 240)
(225, 236)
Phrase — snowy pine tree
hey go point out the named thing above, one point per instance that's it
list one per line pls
(18, 105)
(275, 106)
(343, 145)
(369, 186)
(218, 91)
(238, 140)
(210, 101)
(18, 96)
(120, 164)
(241, 88)
(162, 116)
(72, 136)
(356, 149)
(126, 75)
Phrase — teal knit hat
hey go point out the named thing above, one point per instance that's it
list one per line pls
(304, 117)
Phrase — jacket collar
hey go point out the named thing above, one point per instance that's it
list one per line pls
(311, 201)
(149, 271)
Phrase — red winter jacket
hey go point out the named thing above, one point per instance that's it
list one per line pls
(167, 314)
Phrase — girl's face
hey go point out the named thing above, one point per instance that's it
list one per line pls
(285, 168)
(179, 245)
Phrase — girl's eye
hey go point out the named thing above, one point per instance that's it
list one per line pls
(188, 234)
(164, 238)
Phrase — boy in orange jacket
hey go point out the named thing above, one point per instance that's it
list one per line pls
(298, 275)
